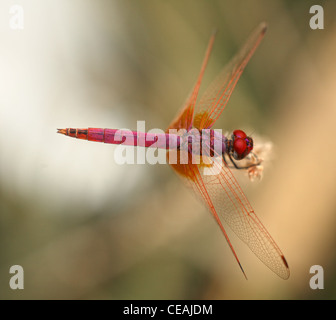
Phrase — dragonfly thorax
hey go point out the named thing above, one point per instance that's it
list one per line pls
(206, 142)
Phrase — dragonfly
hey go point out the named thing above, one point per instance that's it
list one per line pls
(212, 181)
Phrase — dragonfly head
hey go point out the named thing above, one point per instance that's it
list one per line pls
(240, 145)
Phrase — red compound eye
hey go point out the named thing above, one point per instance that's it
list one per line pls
(242, 147)
(239, 146)
(238, 134)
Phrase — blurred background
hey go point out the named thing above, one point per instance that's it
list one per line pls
(84, 227)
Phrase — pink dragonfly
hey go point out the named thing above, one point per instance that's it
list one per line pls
(217, 188)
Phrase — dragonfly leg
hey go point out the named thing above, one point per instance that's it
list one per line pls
(227, 164)
(234, 166)
(243, 167)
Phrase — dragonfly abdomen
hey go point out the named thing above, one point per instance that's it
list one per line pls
(207, 142)
(125, 137)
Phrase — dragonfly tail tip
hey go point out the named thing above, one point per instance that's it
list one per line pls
(62, 131)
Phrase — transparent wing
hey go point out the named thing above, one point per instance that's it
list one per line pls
(222, 195)
(215, 98)
(185, 116)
